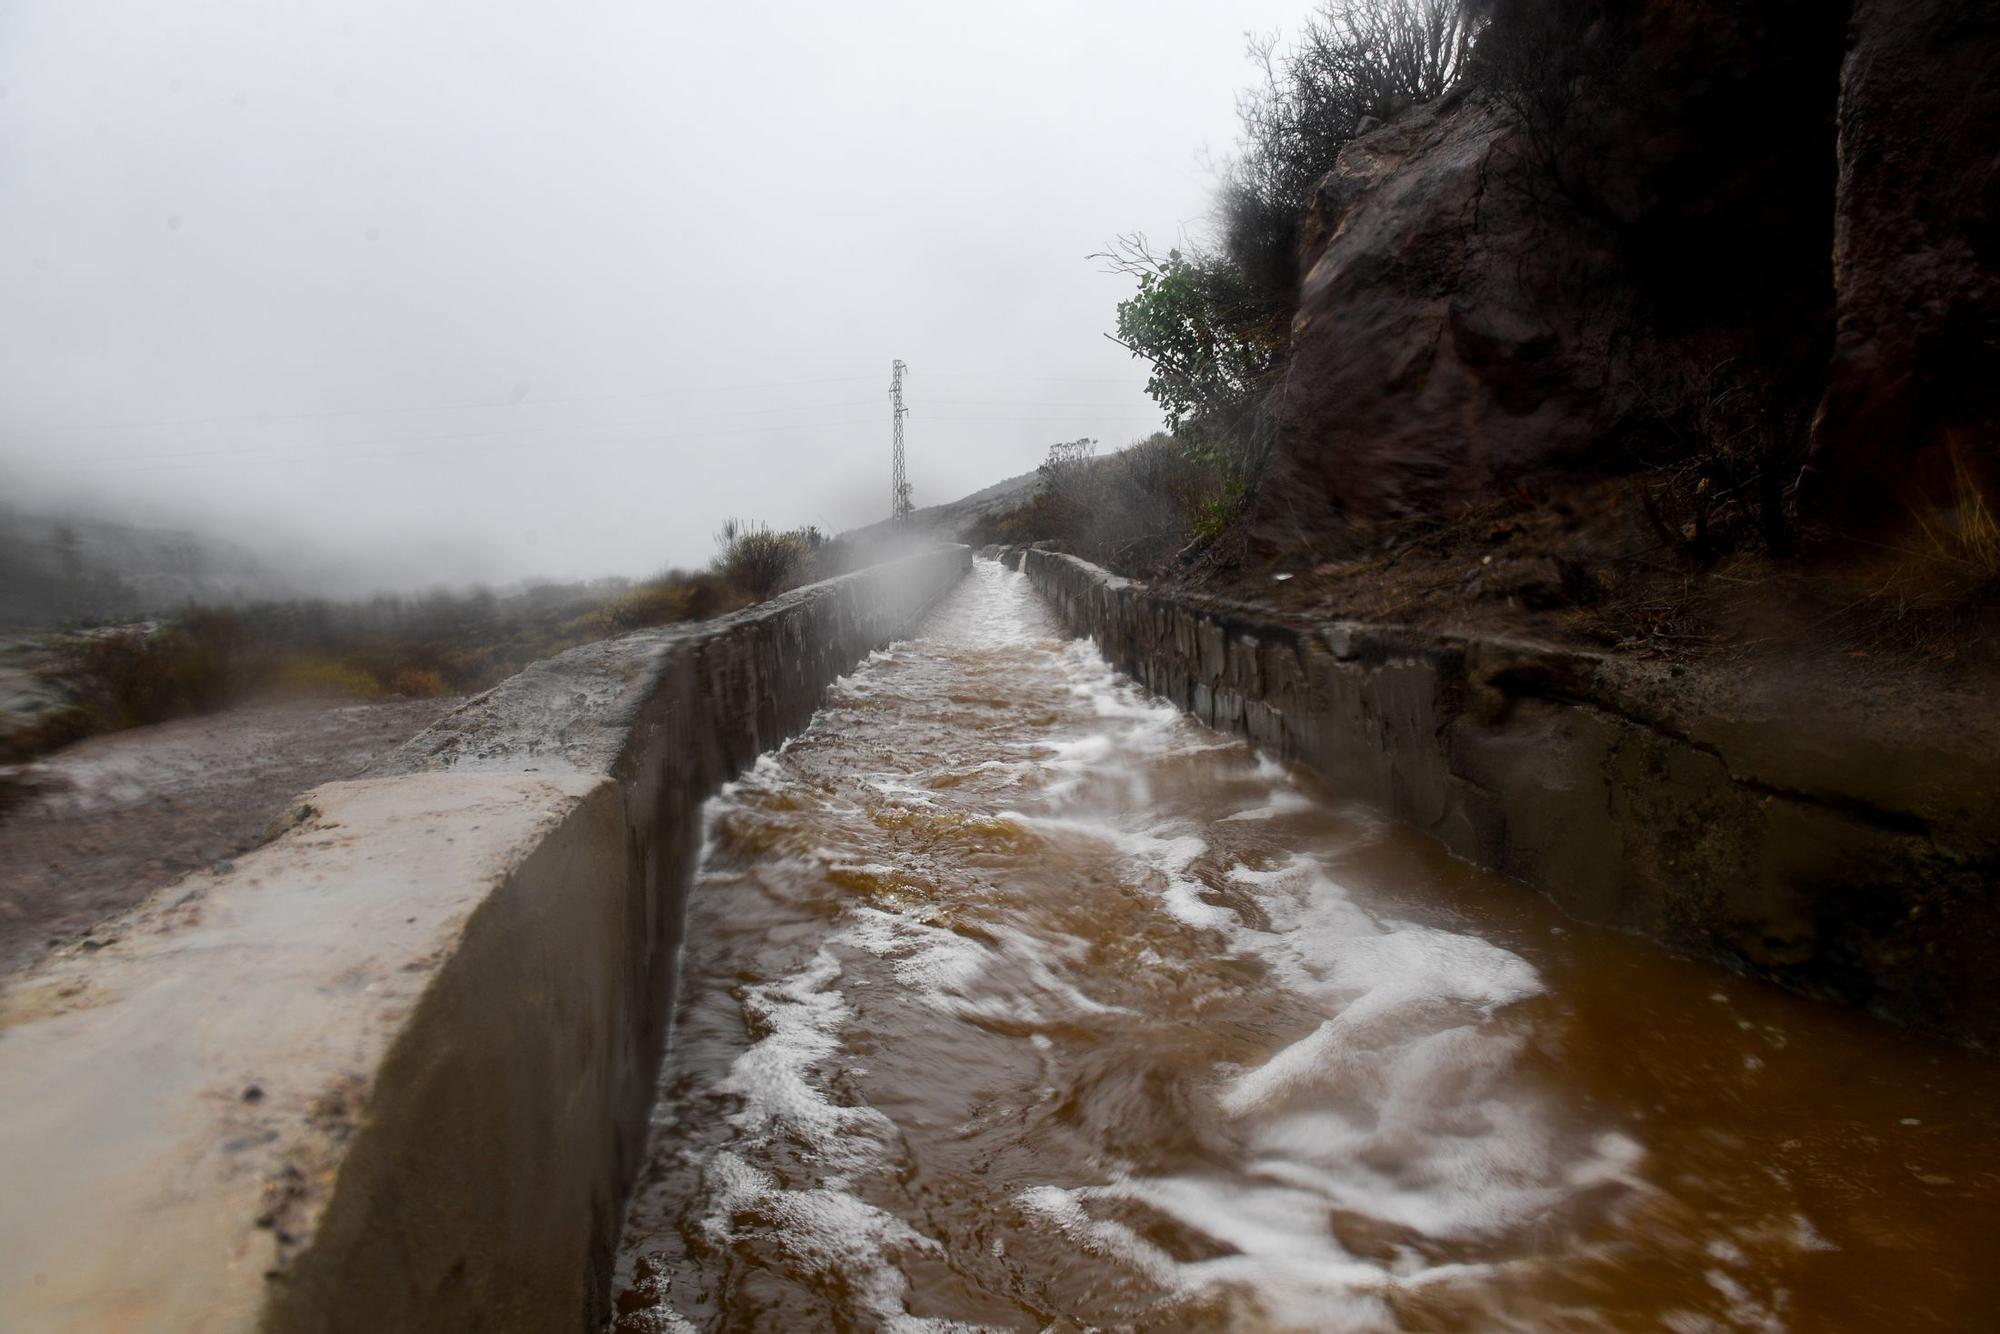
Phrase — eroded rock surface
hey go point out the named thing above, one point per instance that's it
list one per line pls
(1916, 353)
(1493, 294)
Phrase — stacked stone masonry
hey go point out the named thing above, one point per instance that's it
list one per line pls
(1789, 839)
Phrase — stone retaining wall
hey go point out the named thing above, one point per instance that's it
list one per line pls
(392, 1071)
(1804, 840)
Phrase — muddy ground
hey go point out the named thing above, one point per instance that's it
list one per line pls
(1906, 625)
(99, 825)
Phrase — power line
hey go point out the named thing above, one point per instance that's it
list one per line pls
(1011, 378)
(1026, 402)
(475, 405)
(263, 418)
(147, 456)
(268, 455)
(453, 443)
(551, 428)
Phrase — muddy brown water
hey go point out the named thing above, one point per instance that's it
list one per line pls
(1014, 1000)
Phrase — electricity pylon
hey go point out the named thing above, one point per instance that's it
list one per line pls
(899, 486)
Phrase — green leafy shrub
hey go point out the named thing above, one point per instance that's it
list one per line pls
(1214, 320)
(1211, 338)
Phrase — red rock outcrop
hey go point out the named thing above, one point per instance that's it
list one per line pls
(1487, 300)
(1916, 355)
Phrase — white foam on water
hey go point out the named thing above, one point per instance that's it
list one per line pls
(1011, 771)
(905, 793)
(1399, 1102)
(824, 1233)
(1080, 750)
(825, 1230)
(1285, 1268)
(876, 870)
(1282, 801)
(1168, 850)
(1010, 980)
(1171, 850)
(1742, 1309)
(1104, 1236)
(1403, 1105)
(1182, 898)
(801, 1016)
(933, 961)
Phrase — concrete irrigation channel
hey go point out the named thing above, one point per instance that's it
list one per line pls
(1813, 841)
(392, 1069)
(396, 1069)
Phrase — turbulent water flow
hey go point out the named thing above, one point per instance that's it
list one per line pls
(1014, 1000)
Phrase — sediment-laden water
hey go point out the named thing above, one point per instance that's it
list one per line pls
(1014, 1000)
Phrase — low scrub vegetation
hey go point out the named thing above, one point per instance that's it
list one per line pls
(1212, 317)
(1934, 588)
(1715, 475)
(760, 561)
(206, 658)
(1134, 510)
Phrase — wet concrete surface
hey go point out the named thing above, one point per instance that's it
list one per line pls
(1014, 999)
(111, 819)
(391, 1069)
(297, 1095)
(1844, 845)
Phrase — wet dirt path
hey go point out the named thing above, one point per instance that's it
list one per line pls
(1015, 1000)
(113, 818)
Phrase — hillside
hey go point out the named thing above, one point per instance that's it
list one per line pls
(1667, 327)
(955, 520)
(56, 569)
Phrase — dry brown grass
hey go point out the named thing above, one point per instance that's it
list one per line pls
(1961, 535)
(1931, 593)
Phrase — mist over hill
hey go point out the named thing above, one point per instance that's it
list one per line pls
(953, 520)
(56, 568)
(62, 565)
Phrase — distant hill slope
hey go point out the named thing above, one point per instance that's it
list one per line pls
(953, 521)
(62, 568)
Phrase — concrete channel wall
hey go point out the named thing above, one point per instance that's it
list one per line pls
(1808, 840)
(392, 1070)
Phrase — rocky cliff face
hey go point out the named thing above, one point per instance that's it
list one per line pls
(1915, 371)
(1766, 220)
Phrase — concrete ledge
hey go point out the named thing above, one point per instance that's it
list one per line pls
(181, 1101)
(392, 1071)
(1815, 842)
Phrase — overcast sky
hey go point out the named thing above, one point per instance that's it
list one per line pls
(501, 288)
